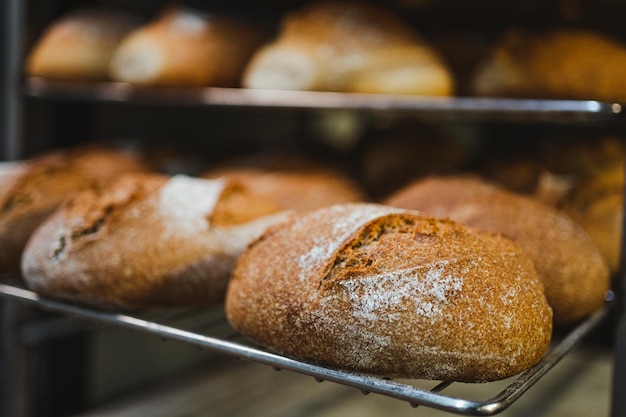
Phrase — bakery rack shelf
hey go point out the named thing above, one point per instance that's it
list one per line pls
(504, 109)
(209, 329)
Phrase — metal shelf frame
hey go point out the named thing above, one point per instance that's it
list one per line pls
(208, 329)
(14, 89)
(500, 109)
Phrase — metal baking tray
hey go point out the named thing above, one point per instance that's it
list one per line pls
(208, 329)
(493, 109)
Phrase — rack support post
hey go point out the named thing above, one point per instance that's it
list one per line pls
(618, 399)
(11, 38)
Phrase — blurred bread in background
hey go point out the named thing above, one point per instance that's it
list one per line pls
(561, 63)
(186, 47)
(78, 46)
(349, 47)
(596, 166)
(292, 183)
(389, 159)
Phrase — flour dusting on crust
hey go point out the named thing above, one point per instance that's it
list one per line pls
(426, 288)
(189, 23)
(187, 202)
(349, 219)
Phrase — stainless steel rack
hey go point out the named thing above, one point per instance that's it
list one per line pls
(209, 329)
(498, 109)
(206, 328)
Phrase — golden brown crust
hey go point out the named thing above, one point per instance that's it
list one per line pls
(240, 204)
(291, 189)
(183, 47)
(79, 45)
(392, 292)
(143, 240)
(39, 185)
(566, 63)
(352, 47)
(571, 267)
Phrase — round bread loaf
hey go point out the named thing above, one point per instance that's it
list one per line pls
(31, 190)
(392, 292)
(573, 271)
(146, 240)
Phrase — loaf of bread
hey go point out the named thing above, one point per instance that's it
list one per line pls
(561, 64)
(184, 47)
(349, 47)
(575, 276)
(79, 45)
(294, 189)
(146, 240)
(391, 292)
(30, 190)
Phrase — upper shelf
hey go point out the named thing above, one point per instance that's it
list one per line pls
(493, 109)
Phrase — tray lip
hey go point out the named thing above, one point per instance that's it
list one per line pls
(413, 395)
(455, 106)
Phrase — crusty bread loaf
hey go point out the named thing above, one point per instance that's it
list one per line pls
(146, 240)
(349, 47)
(184, 47)
(30, 190)
(575, 276)
(79, 45)
(293, 189)
(392, 292)
(562, 63)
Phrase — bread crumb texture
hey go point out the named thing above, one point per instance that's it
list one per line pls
(392, 292)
